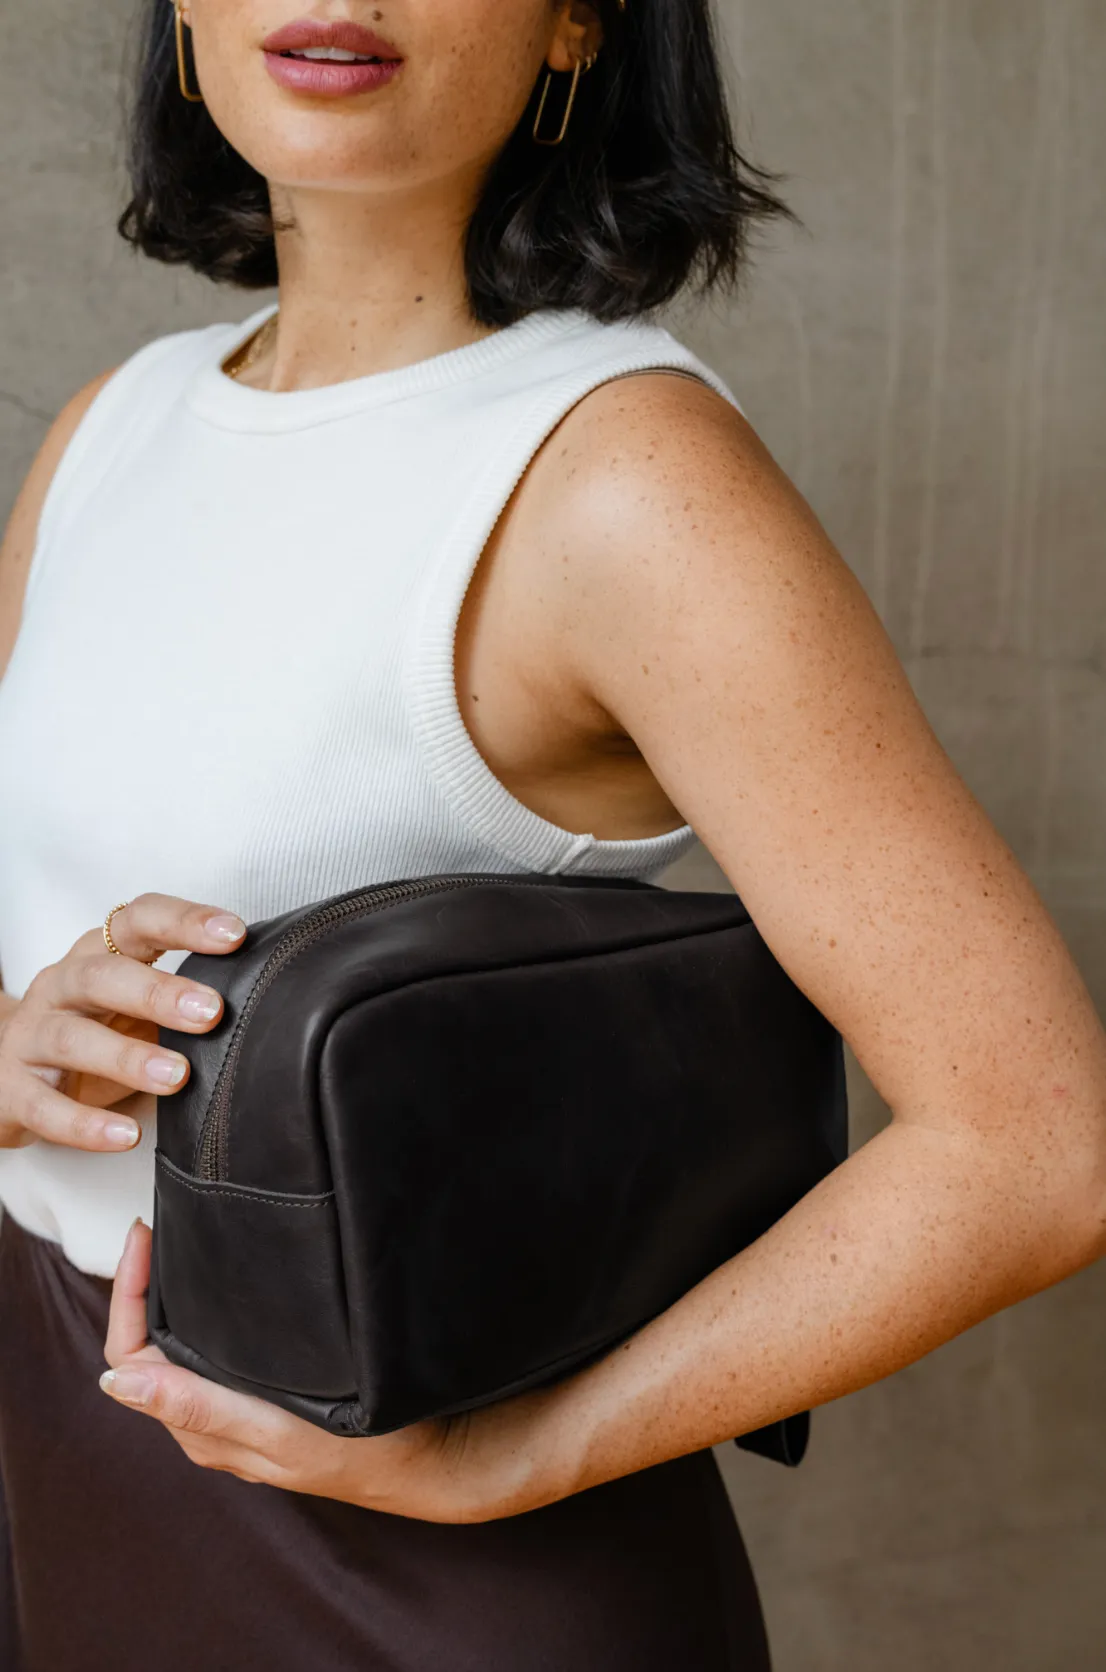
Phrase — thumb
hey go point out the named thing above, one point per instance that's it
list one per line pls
(190, 1404)
(176, 1397)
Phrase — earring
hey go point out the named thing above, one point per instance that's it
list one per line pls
(182, 62)
(581, 64)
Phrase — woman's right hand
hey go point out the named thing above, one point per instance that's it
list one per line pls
(84, 1034)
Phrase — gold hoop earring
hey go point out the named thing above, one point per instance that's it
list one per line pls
(581, 65)
(182, 62)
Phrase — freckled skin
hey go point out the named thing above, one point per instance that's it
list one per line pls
(471, 68)
(656, 521)
(660, 629)
(371, 195)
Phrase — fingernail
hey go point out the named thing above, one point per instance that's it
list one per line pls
(198, 1007)
(122, 1133)
(225, 927)
(130, 1386)
(166, 1071)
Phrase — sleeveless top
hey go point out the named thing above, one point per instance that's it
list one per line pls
(234, 680)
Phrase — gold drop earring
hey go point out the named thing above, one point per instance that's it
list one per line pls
(581, 65)
(182, 61)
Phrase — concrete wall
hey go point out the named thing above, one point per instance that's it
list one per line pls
(929, 363)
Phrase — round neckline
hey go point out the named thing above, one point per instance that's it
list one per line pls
(220, 399)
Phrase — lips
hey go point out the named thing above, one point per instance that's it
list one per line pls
(376, 60)
(349, 37)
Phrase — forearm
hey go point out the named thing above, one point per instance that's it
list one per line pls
(917, 1237)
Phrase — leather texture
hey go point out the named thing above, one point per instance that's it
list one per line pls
(276, 1263)
(472, 1138)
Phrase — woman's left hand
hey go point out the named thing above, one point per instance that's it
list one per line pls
(480, 1466)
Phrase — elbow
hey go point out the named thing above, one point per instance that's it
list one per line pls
(1056, 1192)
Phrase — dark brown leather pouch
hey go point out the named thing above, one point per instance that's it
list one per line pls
(459, 1136)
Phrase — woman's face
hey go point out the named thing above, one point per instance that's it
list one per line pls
(454, 83)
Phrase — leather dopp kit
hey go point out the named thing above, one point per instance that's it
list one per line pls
(458, 1136)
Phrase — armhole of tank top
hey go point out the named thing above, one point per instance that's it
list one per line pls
(62, 497)
(479, 798)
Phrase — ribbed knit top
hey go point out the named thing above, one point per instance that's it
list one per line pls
(234, 674)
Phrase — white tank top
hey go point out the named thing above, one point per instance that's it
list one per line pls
(234, 678)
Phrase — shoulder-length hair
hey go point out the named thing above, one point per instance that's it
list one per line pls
(647, 193)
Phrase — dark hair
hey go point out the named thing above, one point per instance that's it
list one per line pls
(646, 194)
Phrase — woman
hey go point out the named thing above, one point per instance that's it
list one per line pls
(439, 567)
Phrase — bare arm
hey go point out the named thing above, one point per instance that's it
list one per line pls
(707, 611)
(18, 544)
(697, 604)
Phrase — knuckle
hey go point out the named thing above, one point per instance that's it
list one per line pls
(190, 1413)
(84, 1127)
(101, 967)
(130, 1062)
(62, 1036)
(94, 978)
(88, 976)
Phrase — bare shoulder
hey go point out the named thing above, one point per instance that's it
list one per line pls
(704, 607)
(22, 531)
(667, 456)
(660, 509)
(674, 408)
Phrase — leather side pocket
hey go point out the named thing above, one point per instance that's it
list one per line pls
(252, 1281)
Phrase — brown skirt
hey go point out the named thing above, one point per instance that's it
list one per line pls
(118, 1554)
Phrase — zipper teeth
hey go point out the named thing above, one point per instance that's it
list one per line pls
(212, 1148)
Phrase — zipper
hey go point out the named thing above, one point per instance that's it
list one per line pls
(362, 902)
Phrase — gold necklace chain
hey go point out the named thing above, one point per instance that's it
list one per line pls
(254, 348)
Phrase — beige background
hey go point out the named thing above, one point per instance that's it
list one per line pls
(928, 361)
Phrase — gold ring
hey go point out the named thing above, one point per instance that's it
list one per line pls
(110, 944)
